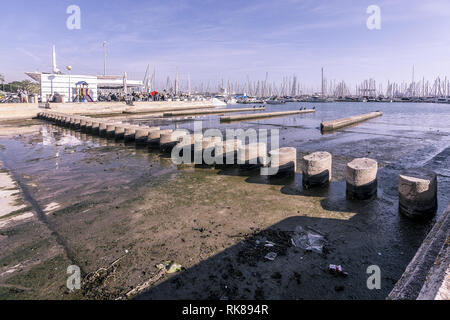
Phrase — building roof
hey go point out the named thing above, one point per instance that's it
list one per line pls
(103, 82)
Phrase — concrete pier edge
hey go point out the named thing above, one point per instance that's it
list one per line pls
(212, 111)
(18, 111)
(427, 276)
(263, 115)
(344, 122)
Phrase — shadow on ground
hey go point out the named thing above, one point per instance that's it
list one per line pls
(372, 234)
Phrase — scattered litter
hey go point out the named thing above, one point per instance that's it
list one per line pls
(271, 256)
(307, 240)
(257, 245)
(170, 266)
(337, 270)
(269, 244)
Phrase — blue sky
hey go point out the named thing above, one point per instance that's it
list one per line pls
(231, 39)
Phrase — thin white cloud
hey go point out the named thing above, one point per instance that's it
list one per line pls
(29, 54)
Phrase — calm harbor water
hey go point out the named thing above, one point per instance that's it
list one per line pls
(412, 125)
(413, 119)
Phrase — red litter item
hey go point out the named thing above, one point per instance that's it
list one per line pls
(337, 270)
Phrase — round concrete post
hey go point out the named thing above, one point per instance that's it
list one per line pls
(187, 144)
(78, 123)
(64, 121)
(229, 152)
(316, 169)
(119, 131)
(111, 130)
(362, 179)
(95, 127)
(154, 138)
(209, 147)
(193, 138)
(71, 122)
(102, 128)
(89, 125)
(60, 120)
(417, 190)
(284, 160)
(83, 121)
(141, 135)
(55, 118)
(253, 155)
(75, 122)
(130, 133)
(209, 142)
(169, 140)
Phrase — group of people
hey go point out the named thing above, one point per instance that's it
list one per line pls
(134, 96)
(21, 96)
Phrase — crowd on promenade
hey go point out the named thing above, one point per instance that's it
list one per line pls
(14, 97)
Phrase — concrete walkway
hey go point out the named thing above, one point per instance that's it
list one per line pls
(17, 111)
(427, 276)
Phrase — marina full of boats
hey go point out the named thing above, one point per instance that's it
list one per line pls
(316, 98)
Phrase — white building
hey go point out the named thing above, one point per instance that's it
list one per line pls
(65, 84)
